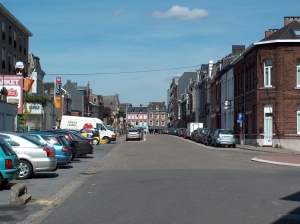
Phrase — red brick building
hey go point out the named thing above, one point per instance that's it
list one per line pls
(267, 88)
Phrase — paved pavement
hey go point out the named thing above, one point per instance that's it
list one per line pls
(286, 157)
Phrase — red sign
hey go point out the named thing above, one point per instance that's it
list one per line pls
(14, 85)
(58, 80)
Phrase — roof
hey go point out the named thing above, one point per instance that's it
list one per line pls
(14, 20)
(285, 33)
(111, 101)
(137, 110)
(157, 106)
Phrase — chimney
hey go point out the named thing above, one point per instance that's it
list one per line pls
(237, 49)
(269, 32)
(289, 19)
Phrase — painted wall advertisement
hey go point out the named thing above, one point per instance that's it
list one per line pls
(14, 85)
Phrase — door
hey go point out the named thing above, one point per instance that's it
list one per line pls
(268, 125)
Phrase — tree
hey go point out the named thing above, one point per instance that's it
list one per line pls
(106, 112)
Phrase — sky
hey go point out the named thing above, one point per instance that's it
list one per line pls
(135, 47)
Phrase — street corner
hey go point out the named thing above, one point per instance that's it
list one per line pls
(279, 160)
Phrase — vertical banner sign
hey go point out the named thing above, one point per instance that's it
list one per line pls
(57, 92)
(58, 85)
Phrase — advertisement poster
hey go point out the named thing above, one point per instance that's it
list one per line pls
(14, 85)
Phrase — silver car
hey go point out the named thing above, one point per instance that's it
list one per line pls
(134, 133)
(33, 158)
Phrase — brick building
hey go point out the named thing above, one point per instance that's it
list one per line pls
(267, 88)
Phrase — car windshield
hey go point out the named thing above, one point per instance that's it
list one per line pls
(226, 132)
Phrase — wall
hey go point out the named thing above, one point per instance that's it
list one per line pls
(8, 116)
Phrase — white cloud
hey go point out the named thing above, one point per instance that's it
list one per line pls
(183, 13)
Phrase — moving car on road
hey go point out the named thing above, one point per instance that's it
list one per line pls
(134, 133)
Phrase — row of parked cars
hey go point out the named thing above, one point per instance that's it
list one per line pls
(216, 138)
(25, 153)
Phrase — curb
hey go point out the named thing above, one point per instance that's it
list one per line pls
(274, 162)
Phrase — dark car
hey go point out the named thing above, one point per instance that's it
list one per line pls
(200, 135)
(85, 144)
(207, 137)
(180, 132)
(194, 134)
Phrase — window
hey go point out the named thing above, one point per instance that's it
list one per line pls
(298, 119)
(3, 57)
(268, 72)
(24, 47)
(3, 30)
(20, 44)
(163, 123)
(151, 115)
(163, 116)
(150, 123)
(9, 35)
(157, 115)
(156, 123)
(9, 62)
(298, 72)
(15, 39)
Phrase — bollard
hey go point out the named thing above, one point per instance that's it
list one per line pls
(18, 195)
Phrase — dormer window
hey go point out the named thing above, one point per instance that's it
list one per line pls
(296, 32)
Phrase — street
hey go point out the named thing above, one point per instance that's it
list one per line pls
(166, 179)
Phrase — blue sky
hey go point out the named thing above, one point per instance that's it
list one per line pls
(135, 47)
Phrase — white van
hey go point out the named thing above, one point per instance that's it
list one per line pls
(77, 123)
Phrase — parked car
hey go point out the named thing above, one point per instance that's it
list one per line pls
(201, 132)
(134, 133)
(181, 132)
(194, 134)
(74, 143)
(9, 163)
(57, 140)
(207, 137)
(85, 145)
(33, 158)
(222, 137)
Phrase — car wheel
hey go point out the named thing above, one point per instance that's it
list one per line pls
(233, 146)
(1, 181)
(95, 141)
(25, 170)
(106, 140)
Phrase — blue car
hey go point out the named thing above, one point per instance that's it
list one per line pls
(9, 163)
(58, 141)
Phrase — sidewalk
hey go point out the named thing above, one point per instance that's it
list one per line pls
(279, 156)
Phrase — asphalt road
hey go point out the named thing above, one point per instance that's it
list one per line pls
(166, 179)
